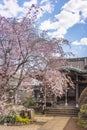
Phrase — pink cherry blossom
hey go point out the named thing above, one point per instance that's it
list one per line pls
(24, 52)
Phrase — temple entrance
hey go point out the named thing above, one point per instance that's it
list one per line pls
(68, 99)
(71, 97)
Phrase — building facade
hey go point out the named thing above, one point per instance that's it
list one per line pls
(77, 70)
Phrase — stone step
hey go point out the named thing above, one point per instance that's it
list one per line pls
(62, 111)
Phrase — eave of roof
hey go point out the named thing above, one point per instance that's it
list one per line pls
(73, 69)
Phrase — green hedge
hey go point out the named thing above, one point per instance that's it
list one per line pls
(82, 116)
(83, 97)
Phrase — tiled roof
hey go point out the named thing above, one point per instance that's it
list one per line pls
(70, 68)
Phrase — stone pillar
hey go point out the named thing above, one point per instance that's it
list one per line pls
(77, 90)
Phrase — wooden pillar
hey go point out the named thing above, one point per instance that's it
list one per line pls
(45, 99)
(66, 103)
(77, 90)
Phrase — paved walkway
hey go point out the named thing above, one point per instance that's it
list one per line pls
(49, 123)
(57, 123)
(43, 119)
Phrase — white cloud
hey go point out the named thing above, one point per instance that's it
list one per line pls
(47, 7)
(83, 41)
(77, 6)
(47, 25)
(73, 12)
(52, 29)
(10, 8)
(63, 23)
(28, 4)
(43, 1)
(67, 19)
(56, 34)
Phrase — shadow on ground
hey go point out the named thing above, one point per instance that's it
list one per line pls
(71, 125)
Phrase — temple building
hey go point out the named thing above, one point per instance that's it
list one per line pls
(68, 104)
(77, 70)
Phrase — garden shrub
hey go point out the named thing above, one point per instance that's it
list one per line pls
(9, 119)
(22, 120)
(83, 109)
(30, 103)
(16, 119)
(83, 97)
(82, 123)
(82, 116)
(12, 115)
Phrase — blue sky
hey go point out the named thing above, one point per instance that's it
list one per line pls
(59, 18)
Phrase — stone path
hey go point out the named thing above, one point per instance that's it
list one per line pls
(51, 123)
(43, 118)
(57, 123)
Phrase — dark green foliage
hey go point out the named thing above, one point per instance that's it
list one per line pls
(82, 116)
(82, 123)
(30, 103)
(83, 97)
(10, 119)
